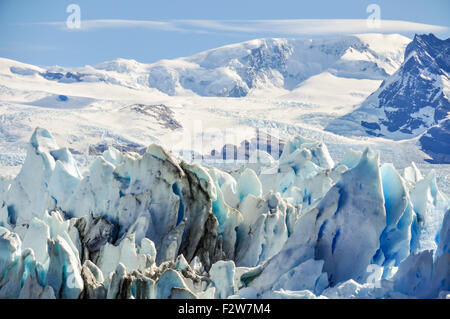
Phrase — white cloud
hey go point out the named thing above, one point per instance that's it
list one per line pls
(280, 27)
(118, 23)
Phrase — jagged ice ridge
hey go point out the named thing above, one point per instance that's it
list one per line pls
(154, 226)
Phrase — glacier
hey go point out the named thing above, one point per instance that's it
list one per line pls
(155, 226)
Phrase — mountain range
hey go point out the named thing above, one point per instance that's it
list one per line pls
(234, 70)
(361, 85)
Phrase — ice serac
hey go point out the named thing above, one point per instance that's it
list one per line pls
(249, 184)
(396, 237)
(92, 282)
(263, 230)
(316, 152)
(45, 264)
(154, 196)
(168, 284)
(23, 277)
(10, 248)
(125, 253)
(302, 176)
(36, 239)
(93, 233)
(297, 249)
(413, 277)
(154, 226)
(430, 206)
(64, 272)
(444, 236)
(306, 276)
(412, 174)
(224, 209)
(303, 173)
(222, 275)
(351, 218)
(343, 230)
(47, 179)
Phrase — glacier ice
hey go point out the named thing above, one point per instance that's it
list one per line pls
(430, 206)
(222, 276)
(444, 236)
(263, 230)
(350, 220)
(48, 176)
(306, 276)
(396, 237)
(154, 226)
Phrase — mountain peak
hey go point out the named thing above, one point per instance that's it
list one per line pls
(430, 51)
(426, 37)
(413, 99)
(429, 39)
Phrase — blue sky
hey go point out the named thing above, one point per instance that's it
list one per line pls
(35, 31)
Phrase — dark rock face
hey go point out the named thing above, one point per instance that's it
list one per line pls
(238, 91)
(92, 288)
(94, 232)
(433, 53)
(160, 112)
(263, 59)
(199, 241)
(436, 143)
(417, 86)
(209, 248)
(62, 77)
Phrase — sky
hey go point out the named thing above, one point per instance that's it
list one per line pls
(38, 32)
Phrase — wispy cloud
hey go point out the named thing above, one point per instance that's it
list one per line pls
(117, 23)
(280, 27)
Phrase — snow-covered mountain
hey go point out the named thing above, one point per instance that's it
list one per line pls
(234, 70)
(311, 81)
(277, 63)
(414, 99)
